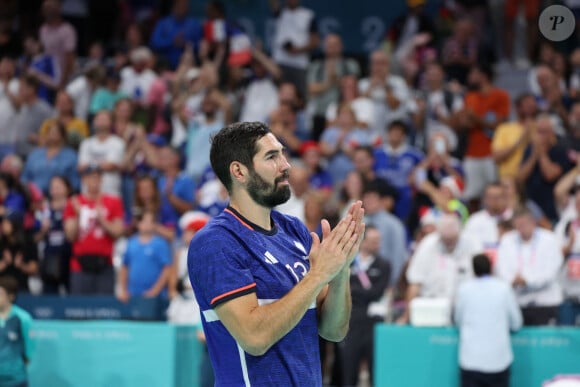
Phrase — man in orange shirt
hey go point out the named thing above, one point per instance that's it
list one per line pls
(485, 108)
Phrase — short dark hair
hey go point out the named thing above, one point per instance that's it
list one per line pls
(31, 81)
(235, 142)
(522, 97)
(398, 124)
(381, 187)
(485, 69)
(481, 265)
(367, 149)
(10, 285)
(218, 6)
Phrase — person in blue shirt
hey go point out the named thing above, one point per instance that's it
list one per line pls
(147, 262)
(52, 159)
(485, 312)
(266, 287)
(395, 162)
(43, 67)
(174, 32)
(15, 343)
(176, 188)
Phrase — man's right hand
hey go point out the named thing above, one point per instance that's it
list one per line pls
(329, 257)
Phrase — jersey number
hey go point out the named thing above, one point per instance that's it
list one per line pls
(298, 269)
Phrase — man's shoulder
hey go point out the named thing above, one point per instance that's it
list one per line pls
(21, 314)
(109, 199)
(429, 241)
(500, 93)
(287, 220)
(548, 236)
(478, 217)
(510, 238)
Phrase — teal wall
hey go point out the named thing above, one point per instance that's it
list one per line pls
(425, 357)
(138, 354)
(113, 354)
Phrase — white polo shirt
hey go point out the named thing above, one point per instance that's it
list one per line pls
(439, 272)
(292, 25)
(483, 226)
(538, 260)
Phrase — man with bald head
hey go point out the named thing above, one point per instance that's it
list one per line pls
(441, 262)
(324, 79)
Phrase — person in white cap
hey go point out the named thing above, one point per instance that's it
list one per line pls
(137, 78)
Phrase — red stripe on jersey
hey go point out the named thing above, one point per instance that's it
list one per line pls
(215, 299)
(238, 218)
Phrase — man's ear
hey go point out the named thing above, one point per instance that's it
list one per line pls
(238, 171)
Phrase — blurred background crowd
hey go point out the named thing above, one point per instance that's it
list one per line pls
(459, 130)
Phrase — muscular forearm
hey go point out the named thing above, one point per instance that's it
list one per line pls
(265, 325)
(336, 308)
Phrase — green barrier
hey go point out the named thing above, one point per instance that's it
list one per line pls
(427, 357)
(113, 354)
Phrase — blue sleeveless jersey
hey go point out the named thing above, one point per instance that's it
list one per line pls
(231, 257)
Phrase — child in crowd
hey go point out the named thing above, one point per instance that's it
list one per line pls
(147, 262)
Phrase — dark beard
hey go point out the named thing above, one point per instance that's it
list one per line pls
(266, 194)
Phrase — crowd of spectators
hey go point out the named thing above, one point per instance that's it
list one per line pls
(105, 136)
(106, 120)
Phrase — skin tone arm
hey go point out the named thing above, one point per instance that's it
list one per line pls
(337, 303)
(69, 62)
(527, 167)
(265, 325)
(564, 185)
(71, 225)
(123, 294)
(28, 268)
(179, 204)
(413, 291)
(550, 170)
(434, 194)
(114, 227)
(329, 81)
(161, 282)
(164, 231)
(271, 67)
